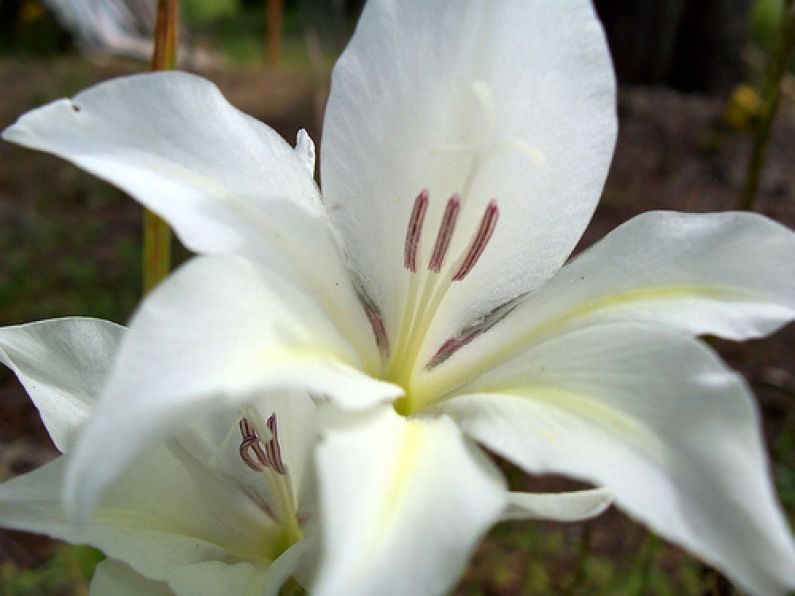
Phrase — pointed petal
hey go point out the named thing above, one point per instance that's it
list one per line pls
(508, 100)
(404, 503)
(224, 181)
(657, 419)
(113, 578)
(725, 274)
(305, 149)
(62, 364)
(217, 333)
(571, 506)
(155, 519)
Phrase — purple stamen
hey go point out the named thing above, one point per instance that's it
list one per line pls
(414, 231)
(479, 242)
(259, 456)
(446, 229)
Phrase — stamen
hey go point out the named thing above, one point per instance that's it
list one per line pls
(446, 229)
(273, 447)
(479, 242)
(252, 452)
(414, 231)
(466, 335)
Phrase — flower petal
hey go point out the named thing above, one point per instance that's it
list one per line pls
(155, 519)
(113, 578)
(512, 100)
(216, 578)
(726, 274)
(656, 418)
(570, 506)
(217, 333)
(226, 182)
(62, 364)
(404, 503)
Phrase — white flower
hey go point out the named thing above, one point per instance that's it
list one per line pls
(210, 512)
(465, 146)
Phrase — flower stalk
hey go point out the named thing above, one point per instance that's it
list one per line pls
(157, 236)
(772, 95)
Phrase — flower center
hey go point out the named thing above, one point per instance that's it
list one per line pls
(265, 457)
(428, 288)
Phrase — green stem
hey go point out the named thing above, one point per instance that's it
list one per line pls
(772, 95)
(157, 236)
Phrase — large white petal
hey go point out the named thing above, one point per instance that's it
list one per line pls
(512, 100)
(113, 578)
(216, 333)
(726, 274)
(226, 182)
(657, 419)
(155, 519)
(62, 364)
(404, 503)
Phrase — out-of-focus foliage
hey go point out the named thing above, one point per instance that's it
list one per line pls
(202, 12)
(765, 20)
(69, 571)
(27, 27)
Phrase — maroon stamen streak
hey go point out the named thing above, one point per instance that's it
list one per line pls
(251, 442)
(446, 229)
(479, 242)
(252, 452)
(414, 231)
(274, 446)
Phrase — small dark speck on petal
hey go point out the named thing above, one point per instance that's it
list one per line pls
(75, 107)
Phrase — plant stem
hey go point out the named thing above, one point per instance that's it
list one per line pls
(771, 96)
(157, 236)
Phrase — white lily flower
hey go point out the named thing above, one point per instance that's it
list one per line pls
(465, 147)
(210, 512)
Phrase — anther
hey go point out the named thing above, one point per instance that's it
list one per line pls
(414, 231)
(259, 456)
(273, 448)
(446, 229)
(479, 242)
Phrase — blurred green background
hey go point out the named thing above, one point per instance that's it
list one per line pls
(71, 245)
